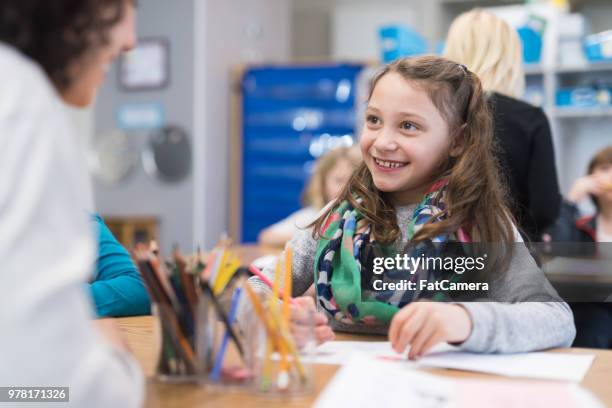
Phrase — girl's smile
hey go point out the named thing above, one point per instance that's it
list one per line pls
(388, 165)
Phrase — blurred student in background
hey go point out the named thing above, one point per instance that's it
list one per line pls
(49, 51)
(593, 319)
(597, 186)
(332, 171)
(492, 49)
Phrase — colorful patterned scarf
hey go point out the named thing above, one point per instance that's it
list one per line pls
(346, 242)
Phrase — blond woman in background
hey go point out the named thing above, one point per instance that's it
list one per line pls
(331, 173)
(489, 47)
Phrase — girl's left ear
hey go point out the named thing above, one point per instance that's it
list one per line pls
(457, 143)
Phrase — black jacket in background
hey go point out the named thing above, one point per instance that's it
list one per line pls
(522, 134)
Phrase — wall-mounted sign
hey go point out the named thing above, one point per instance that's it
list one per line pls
(140, 116)
(145, 67)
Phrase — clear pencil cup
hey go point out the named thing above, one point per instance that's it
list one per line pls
(205, 345)
(223, 347)
(175, 346)
(283, 350)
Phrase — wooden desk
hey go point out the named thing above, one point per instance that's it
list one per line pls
(139, 331)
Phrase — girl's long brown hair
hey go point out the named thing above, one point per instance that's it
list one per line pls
(475, 196)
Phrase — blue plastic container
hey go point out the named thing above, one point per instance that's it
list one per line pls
(598, 47)
(578, 97)
(397, 41)
(532, 44)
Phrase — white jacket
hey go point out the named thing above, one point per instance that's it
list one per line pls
(47, 251)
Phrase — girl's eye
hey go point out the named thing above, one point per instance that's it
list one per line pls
(374, 120)
(407, 126)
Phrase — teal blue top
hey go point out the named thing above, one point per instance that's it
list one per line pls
(117, 288)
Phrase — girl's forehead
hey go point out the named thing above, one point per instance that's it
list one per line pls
(393, 81)
(396, 94)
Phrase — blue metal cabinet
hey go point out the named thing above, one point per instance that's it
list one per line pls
(291, 114)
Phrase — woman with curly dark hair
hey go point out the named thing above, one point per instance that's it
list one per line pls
(52, 51)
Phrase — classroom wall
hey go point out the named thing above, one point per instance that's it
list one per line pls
(228, 39)
(207, 39)
(139, 194)
(311, 32)
(598, 13)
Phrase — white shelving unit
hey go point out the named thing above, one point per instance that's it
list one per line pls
(578, 132)
(576, 113)
(589, 67)
(551, 81)
(533, 69)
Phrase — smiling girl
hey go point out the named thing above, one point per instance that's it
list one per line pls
(428, 179)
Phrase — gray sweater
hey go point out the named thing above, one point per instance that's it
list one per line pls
(536, 319)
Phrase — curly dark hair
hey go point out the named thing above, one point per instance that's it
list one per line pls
(55, 33)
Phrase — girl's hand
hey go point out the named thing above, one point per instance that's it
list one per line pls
(302, 314)
(422, 325)
(583, 187)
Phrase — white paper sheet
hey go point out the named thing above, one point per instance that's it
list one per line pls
(366, 382)
(338, 352)
(539, 365)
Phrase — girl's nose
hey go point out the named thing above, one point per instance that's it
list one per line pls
(385, 142)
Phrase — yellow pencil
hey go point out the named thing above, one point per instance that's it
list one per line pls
(220, 262)
(225, 274)
(275, 332)
(288, 283)
(287, 343)
(277, 279)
